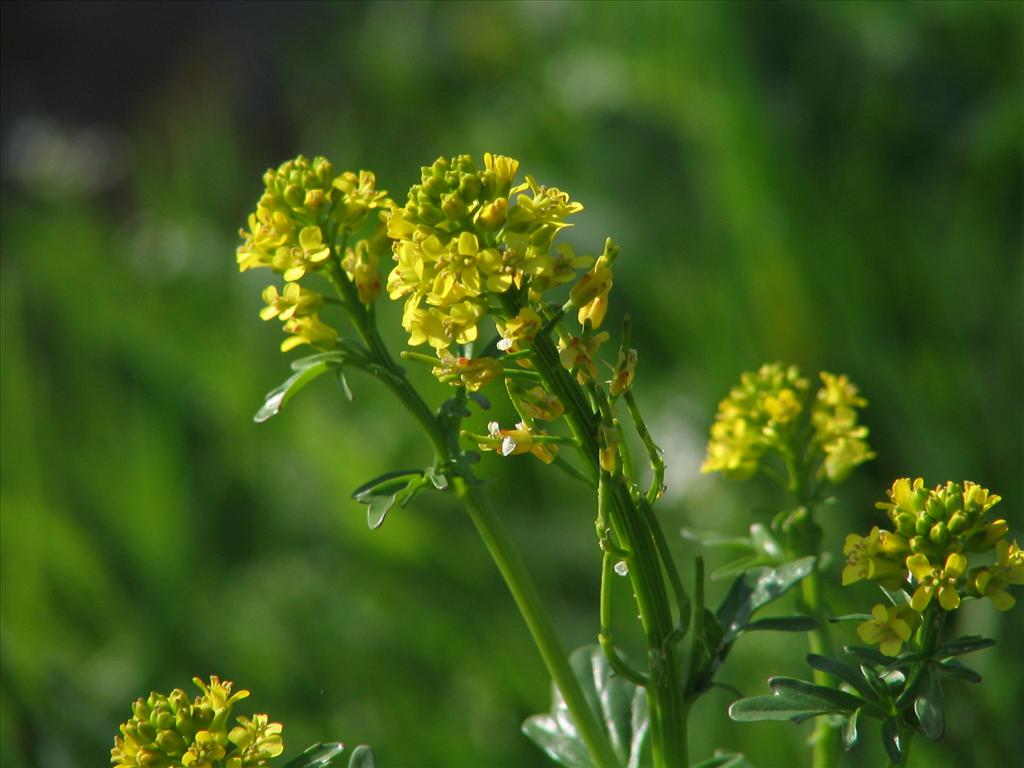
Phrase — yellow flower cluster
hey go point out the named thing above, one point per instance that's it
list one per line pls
(303, 207)
(171, 732)
(935, 532)
(465, 233)
(765, 412)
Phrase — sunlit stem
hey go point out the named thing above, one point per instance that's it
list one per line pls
(825, 750)
(653, 452)
(495, 537)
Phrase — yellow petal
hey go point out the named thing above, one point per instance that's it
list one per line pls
(921, 598)
(955, 566)
(949, 598)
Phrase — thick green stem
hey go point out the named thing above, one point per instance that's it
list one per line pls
(495, 537)
(668, 708)
(825, 744)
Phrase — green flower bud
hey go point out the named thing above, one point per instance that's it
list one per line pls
(435, 186)
(918, 499)
(469, 187)
(958, 523)
(919, 545)
(454, 207)
(935, 509)
(905, 524)
(430, 214)
(923, 524)
(939, 534)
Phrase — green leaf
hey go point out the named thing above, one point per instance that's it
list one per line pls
(339, 376)
(841, 701)
(620, 705)
(928, 707)
(318, 756)
(724, 760)
(867, 655)
(765, 543)
(335, 357)
(383, 492)
(892, 740)
(851, 617)
(755, 589)
(843, 672)
(794, 700)
(737, 567)
(953, 668)
(962, 645)
(783, 624)
(362, 757)
(850, 734)
(277, 398)
(715, 539)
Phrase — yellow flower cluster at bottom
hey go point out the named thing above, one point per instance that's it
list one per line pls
(170, 731)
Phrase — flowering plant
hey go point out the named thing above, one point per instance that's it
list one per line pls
(509, 310)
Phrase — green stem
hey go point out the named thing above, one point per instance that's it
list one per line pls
(488, 524)
(668, 708)
(825, 744)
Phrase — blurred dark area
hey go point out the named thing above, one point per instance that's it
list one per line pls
(837, 185)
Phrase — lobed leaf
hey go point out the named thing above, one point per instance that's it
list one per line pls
(755, 589)
(620, 705)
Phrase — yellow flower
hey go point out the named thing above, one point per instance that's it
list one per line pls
(590, 294)
(309, 255)
(295, 301)
(362, 265)
(992, 581)
(308, 330)
(753, 418)
(519, 330)
(624, 373)
(472, 374)
(836, 431)
(932, 581)
(534, 403)
(875, 557)
(514, 442)
(359, 196)
(890, 628)
(578, 353)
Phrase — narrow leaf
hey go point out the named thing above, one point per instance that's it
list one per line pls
(377, 509)
(277, 398)
(387, 484)
(318, 756)
(758, 708)
(724, 760)
(339, 376)
(755, 589)
(715, 539)
(850, 734)
(964, 644)
(953, 668)
(563, 746)
(737, 567)
(839, 700)
(362, 757)
(765, 543)
(843, 672)
(783, 624)
(928, 707)
(892, 740)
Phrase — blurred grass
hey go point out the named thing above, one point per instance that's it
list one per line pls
(837, 185)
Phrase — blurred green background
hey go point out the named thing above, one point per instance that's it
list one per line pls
(836, 185)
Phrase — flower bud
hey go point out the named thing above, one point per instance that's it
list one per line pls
(454, 207)
(958, 523)
(493, 214)
(294, 195)
(905, 524)
(939, 534)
